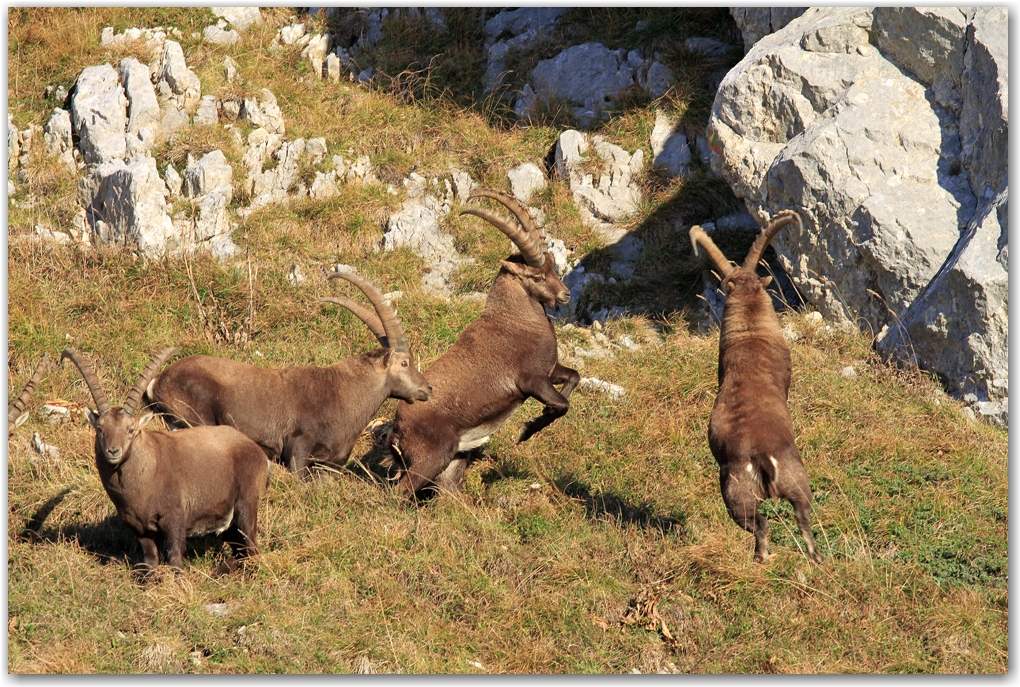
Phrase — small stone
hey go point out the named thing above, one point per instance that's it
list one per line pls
(218, 609)
(849, 372)
(814, 318)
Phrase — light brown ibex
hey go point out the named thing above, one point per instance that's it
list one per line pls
(750, 431)
(298, 415)
(16, 413)
(168, 486)
(504, 357)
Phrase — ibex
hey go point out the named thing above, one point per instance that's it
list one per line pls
(504, 357)
(750, 431)
(168, 486)
(16, 413)
(298, 415)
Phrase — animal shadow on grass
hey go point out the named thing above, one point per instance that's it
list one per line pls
(108, 540)
(602, 505)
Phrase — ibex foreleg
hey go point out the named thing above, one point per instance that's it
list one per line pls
(556, 402)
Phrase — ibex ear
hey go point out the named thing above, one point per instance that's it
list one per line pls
(91, 417)
(21, 419)
(727, 287)
(517, 269)
(144, 420)
(765, 281)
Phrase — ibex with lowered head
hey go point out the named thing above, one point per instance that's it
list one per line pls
(750, 431)
(298, 415)
(16, 413)
(504, 357)
(168, 486)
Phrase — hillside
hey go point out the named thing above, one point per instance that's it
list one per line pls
(601, 545)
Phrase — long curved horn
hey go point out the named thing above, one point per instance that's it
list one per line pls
(365, 314)
(135, 395)
(17, 406)
(89, 374)
(387, 315)
(778, 221)
(698, 235)
(524, 241)
(515, 206)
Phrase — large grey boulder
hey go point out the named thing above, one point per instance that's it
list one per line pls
(887, 129)
(99, 114)
(130, 207)
(959, 326)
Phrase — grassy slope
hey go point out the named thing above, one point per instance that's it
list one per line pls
(911, 498)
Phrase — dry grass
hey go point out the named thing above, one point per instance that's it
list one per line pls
(625, 533)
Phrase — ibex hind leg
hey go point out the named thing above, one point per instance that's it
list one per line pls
(241, 536)
(802, 508)
(742, 502)
(795, 488)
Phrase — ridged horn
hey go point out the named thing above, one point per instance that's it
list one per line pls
(135, 395)
(364, 313)
(387, 315)
(515, 206)
(89, 374)
(780, 220)
(525, 239)
(698, 235)
(16, 407)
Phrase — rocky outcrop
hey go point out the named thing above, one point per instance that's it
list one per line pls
(515, 31)
(416, 226)
(591, 76)
(174, 81)
(129, 207)
(99, 114)
(886, 128)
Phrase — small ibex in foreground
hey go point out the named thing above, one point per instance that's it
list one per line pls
(504, 357)
(750, 431)
(16, 413)
(168, 486)
(298, 415)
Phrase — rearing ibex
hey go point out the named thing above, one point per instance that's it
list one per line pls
(298, 415)
(504, 357)
(16, 413)
(750, 431)
(168, 486)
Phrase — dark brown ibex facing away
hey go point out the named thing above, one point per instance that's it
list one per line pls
(16, 413)
(504, 357)
(750, 431)
(168, 486)
(298, 415)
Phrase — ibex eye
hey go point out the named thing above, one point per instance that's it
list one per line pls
(403, 363)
